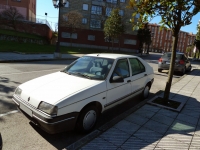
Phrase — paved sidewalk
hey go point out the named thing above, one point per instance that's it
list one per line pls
(20, 57)
(154, 128)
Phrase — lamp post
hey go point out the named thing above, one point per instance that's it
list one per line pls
(58, 4)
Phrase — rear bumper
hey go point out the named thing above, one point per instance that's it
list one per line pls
(166, 67)
(50, 124)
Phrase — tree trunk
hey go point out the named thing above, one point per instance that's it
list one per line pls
(148, 49)
(171, 69)
(112, 45)
(70, 39)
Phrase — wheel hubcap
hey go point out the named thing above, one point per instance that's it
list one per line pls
(89, 120)
(146, 91)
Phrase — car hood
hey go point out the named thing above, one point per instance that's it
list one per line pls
(54, 87)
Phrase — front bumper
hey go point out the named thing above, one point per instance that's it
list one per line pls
(51, 124)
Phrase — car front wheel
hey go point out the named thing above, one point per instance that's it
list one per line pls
(145, 92)
(159, 70)
(87, 119)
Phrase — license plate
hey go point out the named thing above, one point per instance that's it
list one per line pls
(167, 63)
(25, 109)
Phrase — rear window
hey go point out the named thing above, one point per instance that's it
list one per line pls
(168, 55)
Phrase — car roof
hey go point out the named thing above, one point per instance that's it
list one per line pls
(110, 55)
(176, 52)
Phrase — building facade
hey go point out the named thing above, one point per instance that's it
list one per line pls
(26, 7)
(162, 39)
(94, 14)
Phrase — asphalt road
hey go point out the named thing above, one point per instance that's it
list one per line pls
(19, 133)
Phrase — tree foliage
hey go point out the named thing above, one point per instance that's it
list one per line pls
(113, 27)
(11, 17)
(174, 14)
(197, 39)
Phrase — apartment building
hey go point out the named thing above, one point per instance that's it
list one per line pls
(94, 14)
(162, 39)
(26, 7)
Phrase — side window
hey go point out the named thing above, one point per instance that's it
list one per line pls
(122, 68)
(136, 66)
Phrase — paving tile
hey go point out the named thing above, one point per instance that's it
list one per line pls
(127, 126)
(148, 135)
(135, 143)
(187, 118)
(168, 113)
(163, 119)
(156, 126)
(196, 142)
(190, 113)
(182, 137)
(182, 126)
(99, 144)
(145, 113)
(115, 136)
(139, 120)
(150, 108)
(168, 143)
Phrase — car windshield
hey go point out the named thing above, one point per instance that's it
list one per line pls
(168, 55)
(90, 67)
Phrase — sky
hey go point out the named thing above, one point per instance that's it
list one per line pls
(46, 6)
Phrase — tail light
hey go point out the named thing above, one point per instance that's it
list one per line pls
(181, 62)
(160, 60)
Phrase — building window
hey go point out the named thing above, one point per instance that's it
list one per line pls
(121, 12)
(91, 37)
(95, 23)
(122, 1)
(96, 10)
(111, 1)
(85, 6)
(67, 4)
(84, 20)
(108, 11)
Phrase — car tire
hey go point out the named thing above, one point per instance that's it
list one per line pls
(145, 92)
(189, 68)
(183, 71)
(159, 70)
(87, 119)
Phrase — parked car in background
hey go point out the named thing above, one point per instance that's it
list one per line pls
(1, 142)
(182, 63)
(75, 97)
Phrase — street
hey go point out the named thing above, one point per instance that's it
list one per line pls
(19, 133)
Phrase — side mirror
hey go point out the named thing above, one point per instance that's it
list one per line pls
(116, 79)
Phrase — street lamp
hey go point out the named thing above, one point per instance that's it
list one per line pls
(58, 4)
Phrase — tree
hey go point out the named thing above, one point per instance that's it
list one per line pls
(174, 14)
(197, 39)
(113, 27)
(11, 17)
(144, 36)
(72, 20)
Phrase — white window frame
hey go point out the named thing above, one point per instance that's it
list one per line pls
(97, 10)
(85, 6)
(95, 23)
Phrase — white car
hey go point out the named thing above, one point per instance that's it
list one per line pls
(77, 95)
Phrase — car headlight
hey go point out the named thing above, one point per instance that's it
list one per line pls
(18, 91)
(48, 108)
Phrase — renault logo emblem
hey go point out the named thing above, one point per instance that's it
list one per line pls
(28, 99)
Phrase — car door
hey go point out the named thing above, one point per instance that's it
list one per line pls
(117, 92)
(139, 75)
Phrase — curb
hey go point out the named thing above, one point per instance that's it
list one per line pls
(30, 60)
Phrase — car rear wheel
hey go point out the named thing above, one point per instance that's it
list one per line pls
(159, 70)
(87, 119)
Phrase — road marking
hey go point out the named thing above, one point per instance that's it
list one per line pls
(30, 72)
(8, 113)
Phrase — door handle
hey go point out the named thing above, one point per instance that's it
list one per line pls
(145, 74)
(128, 81)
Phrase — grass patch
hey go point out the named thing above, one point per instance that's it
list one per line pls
(168, 103)
(10, 46)
(20, 34)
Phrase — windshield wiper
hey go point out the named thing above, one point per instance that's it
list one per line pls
(83, 75)
(66, 72)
